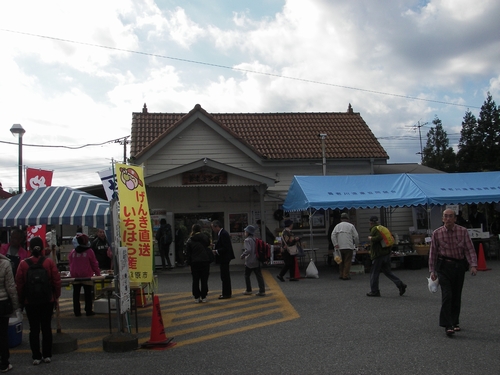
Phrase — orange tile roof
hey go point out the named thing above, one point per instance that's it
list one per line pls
(276, 136)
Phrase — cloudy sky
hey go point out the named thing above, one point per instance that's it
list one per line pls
(72, 73)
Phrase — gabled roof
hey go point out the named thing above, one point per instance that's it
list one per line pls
(206, 162)
(273, 136)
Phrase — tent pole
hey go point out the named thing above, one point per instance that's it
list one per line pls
(429, 211)
(311, 241)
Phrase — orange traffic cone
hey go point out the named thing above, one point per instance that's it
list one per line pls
(481, 261)
(297, 271)
(157, 339)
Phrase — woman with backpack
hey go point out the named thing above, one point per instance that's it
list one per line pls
(38, 287)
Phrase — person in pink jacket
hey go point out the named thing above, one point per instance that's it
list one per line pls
(83, 264)
(14, 250)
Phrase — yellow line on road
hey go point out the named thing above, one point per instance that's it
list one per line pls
(183, 318)
(285, 309)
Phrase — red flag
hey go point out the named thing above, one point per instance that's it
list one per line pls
(36, 231)
(36, 178)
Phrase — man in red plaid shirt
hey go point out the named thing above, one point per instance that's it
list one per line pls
(450, 256)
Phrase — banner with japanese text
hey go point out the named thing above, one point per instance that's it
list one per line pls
(36, 178)
(135, 222)
(108, 179)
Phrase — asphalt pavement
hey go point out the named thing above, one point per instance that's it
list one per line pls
(313, 326)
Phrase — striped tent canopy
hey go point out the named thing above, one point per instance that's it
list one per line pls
(54, 205)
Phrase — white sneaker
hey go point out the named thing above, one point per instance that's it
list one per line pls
(9, 367)
(204, 300)
(36, 362)
(46, 360)
(197, 300)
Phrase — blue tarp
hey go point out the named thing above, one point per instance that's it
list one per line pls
(54, 205)
(391, 190)
(459, 188)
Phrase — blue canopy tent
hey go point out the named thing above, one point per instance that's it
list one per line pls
(390, 190)
(358, 191)
(55, 205)
(459, 188)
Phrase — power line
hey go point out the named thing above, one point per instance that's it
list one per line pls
(239, 69)
(117, 140)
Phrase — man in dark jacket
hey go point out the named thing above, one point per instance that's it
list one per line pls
(381, 261)
(102, 252)
(223, 255)
(164, 238)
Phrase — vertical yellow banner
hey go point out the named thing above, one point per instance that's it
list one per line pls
(135, 223)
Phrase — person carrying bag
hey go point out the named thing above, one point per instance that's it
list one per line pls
(289, 251)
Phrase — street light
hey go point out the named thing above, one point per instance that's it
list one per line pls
(323, 137)
(18, 129)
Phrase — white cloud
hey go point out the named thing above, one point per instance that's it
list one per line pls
(341, 52)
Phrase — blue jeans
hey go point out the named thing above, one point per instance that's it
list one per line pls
(382, 264)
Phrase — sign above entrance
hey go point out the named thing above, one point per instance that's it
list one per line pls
(204, 178)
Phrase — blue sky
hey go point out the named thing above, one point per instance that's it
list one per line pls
(65, 89)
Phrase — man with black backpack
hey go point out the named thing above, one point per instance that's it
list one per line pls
(164, 238)
(38, 287)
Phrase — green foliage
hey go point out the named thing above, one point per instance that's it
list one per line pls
(437, 153)
(479, 146)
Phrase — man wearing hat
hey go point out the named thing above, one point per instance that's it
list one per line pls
(83, 264)
(381, 261)
(252, 264)
(346, 239)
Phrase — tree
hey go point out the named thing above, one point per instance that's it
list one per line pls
(437, 153)
(479, 146)
(467, 146)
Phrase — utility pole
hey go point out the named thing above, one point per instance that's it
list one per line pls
(124, 141)
(419, 125)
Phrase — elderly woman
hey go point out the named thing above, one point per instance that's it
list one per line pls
(252, 264)
(7, 292)
(288, 239)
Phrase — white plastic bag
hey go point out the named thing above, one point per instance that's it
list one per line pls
(336, 256)
(433, 285)
(312, 271)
